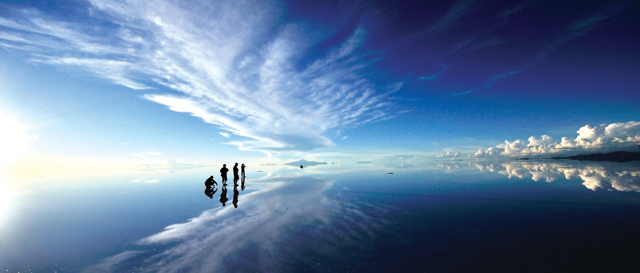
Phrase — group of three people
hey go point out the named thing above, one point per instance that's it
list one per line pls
(223, 174)
(224, 171)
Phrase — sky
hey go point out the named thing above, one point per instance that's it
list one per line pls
(205, 82)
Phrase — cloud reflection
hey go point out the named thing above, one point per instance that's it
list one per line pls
(286, 215)
(618, 177)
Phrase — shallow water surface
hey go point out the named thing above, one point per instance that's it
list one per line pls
(451, 217)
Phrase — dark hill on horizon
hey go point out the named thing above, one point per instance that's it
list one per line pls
(305, 163)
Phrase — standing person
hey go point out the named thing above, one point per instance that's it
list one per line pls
(235, 174)
(223, 173)
(242, 169)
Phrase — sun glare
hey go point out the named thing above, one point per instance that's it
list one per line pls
(5, 198)
(13, 140)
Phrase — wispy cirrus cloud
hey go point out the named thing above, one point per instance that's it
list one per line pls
(107, 265)
(491, 83)
(235, 65)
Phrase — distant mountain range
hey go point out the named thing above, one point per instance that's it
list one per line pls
(305, 163)
(619, 156)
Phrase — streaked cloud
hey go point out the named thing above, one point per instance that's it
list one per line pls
(491, 83)
(145, 181)
(453, 16)
(107, 265)
(171, 166)
(434, 76)
(232, 64)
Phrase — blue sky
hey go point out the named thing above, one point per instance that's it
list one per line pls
(203, 81)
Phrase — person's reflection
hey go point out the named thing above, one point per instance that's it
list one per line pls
(235, 195)
(223, 195)
(209, 191)
(242, 182)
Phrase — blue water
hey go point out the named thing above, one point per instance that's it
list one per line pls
(452, 217)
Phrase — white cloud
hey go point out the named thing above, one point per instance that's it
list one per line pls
(225, 134)
(450, 154)
(601, 138)
(108, 264)
(170, 166)
(234, 65)
(145, 181)
(594, 177)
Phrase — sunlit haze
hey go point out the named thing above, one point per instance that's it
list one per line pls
(13, 139)
(5, 198)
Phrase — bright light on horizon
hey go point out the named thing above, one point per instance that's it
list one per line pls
(13, 140)
(5, 198)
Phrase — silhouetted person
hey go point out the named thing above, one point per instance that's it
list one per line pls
(223, 195)
(235, 174)
(242, 182)
(242, 168)
(210, 182)
(223, 173)
(235, 195)
(300, 166)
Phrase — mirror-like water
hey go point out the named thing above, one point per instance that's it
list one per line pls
(453, 217)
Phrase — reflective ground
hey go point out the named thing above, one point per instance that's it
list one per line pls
(520, 216)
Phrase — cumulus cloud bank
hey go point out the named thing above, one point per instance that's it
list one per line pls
(231, 64)
(601, 138)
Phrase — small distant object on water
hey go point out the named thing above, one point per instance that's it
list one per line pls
(389, 173)
(259, 171)
(300, 166)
